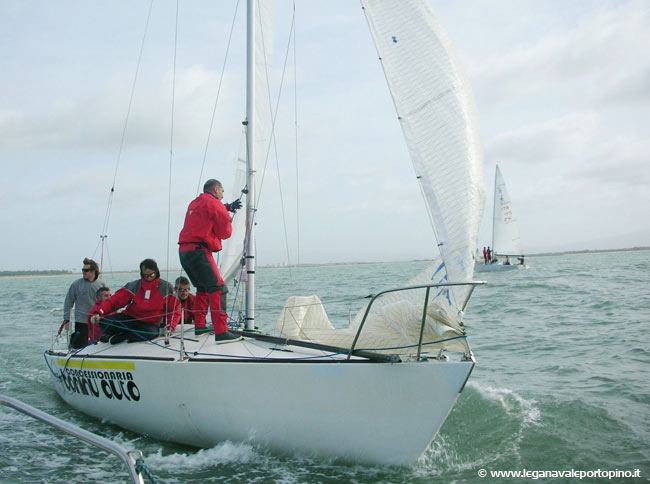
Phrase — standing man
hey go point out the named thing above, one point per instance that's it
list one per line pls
(182, 291)
(207, 223)
(81, 295)
(484, 255)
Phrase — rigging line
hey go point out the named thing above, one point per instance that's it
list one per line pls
(214, 109)
(435, 232)
(171, 140)
(99, 242)
(273, 139)
(109, 207)
(251, 222)
(295, 115)
(274, 118)
(110, 264)
(126, 121)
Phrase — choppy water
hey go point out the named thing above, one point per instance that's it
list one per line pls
(561, 382)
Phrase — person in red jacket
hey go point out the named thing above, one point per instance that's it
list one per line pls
(94, 330)
(148, 304)
(207, 223)
(182, 291)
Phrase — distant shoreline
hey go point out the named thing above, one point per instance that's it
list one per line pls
(587, 251)
(53, 273)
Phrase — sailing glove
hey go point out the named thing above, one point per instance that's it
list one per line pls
(233, 206)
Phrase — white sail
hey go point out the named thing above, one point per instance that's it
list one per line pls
(505, 234)
(437, 113)
(232, 252)
(395, 321)
(233, 248)
(263, 73)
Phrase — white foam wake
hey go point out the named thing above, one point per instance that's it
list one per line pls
(223, 453)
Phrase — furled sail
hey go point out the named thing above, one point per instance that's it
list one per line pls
(392, 325)
(505, 235)
(436, 110)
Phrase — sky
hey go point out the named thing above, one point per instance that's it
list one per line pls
(562, 90)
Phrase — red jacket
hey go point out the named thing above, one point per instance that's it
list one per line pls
(148, 301)
(187, 309)
(94, 330)
(207, 222)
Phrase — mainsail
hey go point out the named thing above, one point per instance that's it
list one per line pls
(505, 234)
(233, 248)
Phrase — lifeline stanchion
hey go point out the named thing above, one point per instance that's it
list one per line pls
(132, 459)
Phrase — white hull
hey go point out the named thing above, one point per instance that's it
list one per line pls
(497, 267)
(364, 411)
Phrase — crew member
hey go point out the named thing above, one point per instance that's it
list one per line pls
(182, 291)
(149, 304)
(81, 295)
(207, 223)
(94, 329)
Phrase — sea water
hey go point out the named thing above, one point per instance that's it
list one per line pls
(562, 381)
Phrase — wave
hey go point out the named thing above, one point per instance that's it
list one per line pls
(223, 453)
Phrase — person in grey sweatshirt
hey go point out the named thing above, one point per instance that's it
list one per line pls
(82, 295)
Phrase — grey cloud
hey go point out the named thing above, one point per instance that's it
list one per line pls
(97, 121)
(604, 54)
(557, 139)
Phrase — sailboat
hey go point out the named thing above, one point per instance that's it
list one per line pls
(375, 392)
(506, 243)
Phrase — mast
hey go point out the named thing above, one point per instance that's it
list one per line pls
(249, 244)
(494, 208)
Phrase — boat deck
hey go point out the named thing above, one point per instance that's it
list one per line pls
(253, 347)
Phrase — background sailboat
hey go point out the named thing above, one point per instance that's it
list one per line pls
(506, 242)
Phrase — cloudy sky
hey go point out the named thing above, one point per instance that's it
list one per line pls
(563, 95)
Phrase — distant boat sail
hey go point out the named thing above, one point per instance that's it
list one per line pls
(506, 241)
(505, 233)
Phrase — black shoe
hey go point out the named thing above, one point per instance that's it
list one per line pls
(226, 337)
(198, 331)
(105, 338)
(118, 338)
